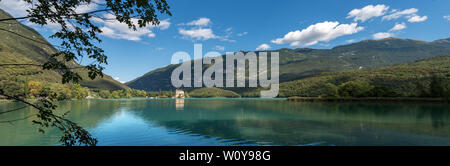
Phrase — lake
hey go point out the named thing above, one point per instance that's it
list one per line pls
(192, 122)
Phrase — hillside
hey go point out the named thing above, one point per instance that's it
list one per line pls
(212, 93)
(304, 62)
(26, 46)
(402, 79)
(443, 42)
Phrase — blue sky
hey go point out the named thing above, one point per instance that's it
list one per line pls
(234, 25)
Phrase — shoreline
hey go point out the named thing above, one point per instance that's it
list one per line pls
(299, 99)
(368, 99)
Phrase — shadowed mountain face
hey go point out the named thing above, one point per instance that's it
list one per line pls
(304, 62)
(443, 42)
(20, 44)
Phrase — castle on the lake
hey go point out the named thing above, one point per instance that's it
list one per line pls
(179, 93)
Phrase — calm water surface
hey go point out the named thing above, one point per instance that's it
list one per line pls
(191, 122)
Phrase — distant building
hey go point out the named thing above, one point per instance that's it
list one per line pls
(179, 93)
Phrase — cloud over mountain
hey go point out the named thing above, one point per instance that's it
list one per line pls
(319, 32)
(367, 12)
(398, 27)
(382, 35)
(263, 47)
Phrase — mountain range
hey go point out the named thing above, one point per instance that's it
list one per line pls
(301, 63)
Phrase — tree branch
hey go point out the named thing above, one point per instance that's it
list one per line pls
(4, 112)
(41, 42)
(19, 99)
(38, 65)
(53, 15)
(15, 120)
(72, 132)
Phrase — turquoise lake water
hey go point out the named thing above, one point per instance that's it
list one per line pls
(192, 122)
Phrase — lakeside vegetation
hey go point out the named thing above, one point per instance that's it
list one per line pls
(367, 99)
(36, 89)
(399, 81)
(194, 93)
(133, 93)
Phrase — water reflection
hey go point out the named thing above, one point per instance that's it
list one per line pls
(245, 122)
(179, 104)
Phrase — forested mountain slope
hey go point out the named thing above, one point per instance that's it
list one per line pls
(20, 44)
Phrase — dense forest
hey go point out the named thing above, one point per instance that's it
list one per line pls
(424, 78)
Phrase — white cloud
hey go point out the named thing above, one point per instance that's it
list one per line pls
(242, 34)
(350, 40)
(151, 35)
(114, 29)
(382, 35)
(84, 8)
(410, 14)
(367, 12)
(220, 48)
(397, 14)
(111, 27)
(203, 21)
(320, 32)
(17, 8)
(263, 47)
(227, 35)
(118, 79)
(447, 17)
(325, 44)
(164, 24)
(416, 18)
(398, 27)
(221, 38)
(198, 33)
(391, 32)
